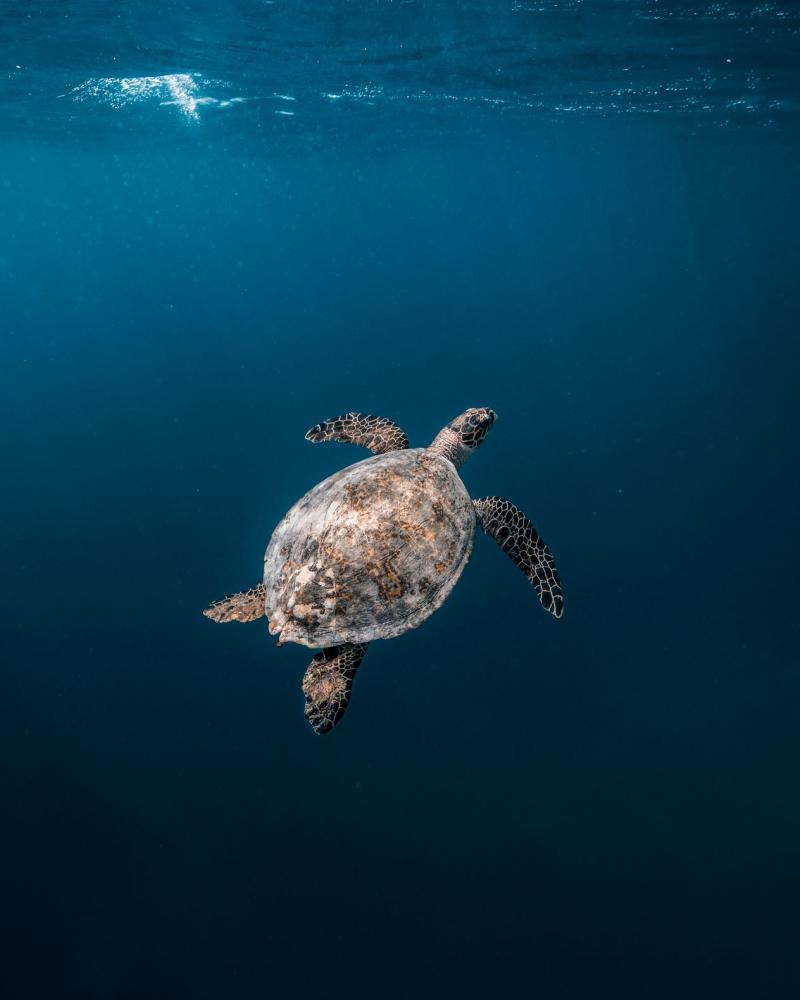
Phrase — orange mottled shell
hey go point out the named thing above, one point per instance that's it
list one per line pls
(370, 552)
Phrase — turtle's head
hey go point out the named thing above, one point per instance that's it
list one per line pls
(462, 436)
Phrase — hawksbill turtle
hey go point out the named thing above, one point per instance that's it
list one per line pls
(375, 549)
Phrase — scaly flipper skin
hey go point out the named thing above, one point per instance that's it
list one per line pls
(379, 434)
(328, 682)
(518, 538)
(244, 607)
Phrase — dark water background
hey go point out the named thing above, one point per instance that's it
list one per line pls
(582, 215)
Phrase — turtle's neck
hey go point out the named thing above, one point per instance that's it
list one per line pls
(448, 444)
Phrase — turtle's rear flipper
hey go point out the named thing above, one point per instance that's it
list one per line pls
(521, 542)
(379, 434)
(328, 682)
(244, 607)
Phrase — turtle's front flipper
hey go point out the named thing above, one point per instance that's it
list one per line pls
(244, 607)
(328, 682)
(379, 434)
(518, 538)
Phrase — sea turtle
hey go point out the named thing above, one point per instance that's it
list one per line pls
(375, 549)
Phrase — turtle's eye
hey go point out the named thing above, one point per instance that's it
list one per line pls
(476, 426)
(485, 418)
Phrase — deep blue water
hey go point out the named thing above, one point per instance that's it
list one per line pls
(223, 222)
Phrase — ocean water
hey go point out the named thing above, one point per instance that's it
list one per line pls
(225, 221)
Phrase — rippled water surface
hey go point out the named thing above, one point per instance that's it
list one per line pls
(337, 68)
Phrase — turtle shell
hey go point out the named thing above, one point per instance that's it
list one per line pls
(370, 552)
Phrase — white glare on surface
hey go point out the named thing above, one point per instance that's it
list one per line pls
(179, 90)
